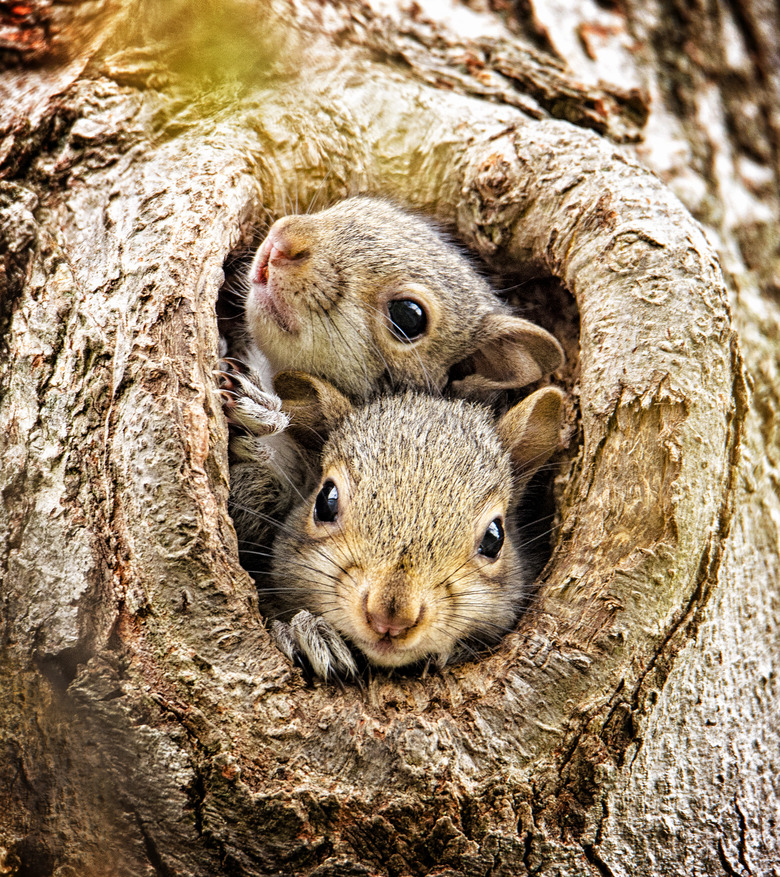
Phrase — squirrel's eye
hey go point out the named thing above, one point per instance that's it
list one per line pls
(326, 505)
(493, 540)
(407, 319)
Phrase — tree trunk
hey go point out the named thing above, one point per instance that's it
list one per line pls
(630, 724)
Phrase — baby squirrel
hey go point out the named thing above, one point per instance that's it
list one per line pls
(372, 299)
(406, 548)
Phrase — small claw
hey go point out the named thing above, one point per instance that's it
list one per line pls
(231, 364)
(311, 639)
(342, 659)
(226, 373)
(246, 404)
(224, 380)
(285, 641)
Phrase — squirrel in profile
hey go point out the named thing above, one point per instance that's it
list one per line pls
(372, 299)
(406, 548)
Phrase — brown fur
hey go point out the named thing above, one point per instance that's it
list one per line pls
(317, 302)
(318, 296)
(419, 481)
(404, 558)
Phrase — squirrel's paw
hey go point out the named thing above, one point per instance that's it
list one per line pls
(312, 640)
(246, 404)
(250, 449)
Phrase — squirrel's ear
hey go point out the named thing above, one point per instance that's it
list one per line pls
(530, 431)
(514, 353)
(314, 407)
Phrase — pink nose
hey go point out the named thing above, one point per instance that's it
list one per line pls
(280, 252)
(382, 624)
(394, 624)
(275, 248)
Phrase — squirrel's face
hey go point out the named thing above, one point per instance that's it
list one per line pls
(406, 545)
(404, 601)
(365, 296)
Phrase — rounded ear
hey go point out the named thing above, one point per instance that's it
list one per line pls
(530, 431)
(513, 353)
(314, 407)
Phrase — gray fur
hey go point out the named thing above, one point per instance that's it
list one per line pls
(419, 480)
(327, 313)
(317, 302)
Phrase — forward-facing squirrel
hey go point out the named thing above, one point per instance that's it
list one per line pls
(372, 299)
(406, 547)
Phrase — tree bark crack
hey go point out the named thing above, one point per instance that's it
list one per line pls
(742, 849)
(725, 863)
(153, 854)
(687, 623)
(595, 860)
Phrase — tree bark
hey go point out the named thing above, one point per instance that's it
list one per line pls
(629, 725)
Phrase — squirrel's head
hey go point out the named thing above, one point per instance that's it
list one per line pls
(407, 544)
(368, 296)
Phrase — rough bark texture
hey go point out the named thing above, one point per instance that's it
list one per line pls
(629, 726)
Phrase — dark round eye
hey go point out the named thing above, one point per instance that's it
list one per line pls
(493, 540)
(326, 506)
(407, 319)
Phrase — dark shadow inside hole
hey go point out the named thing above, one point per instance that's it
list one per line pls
(230, 301)
(546, 302)
(536, 521)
